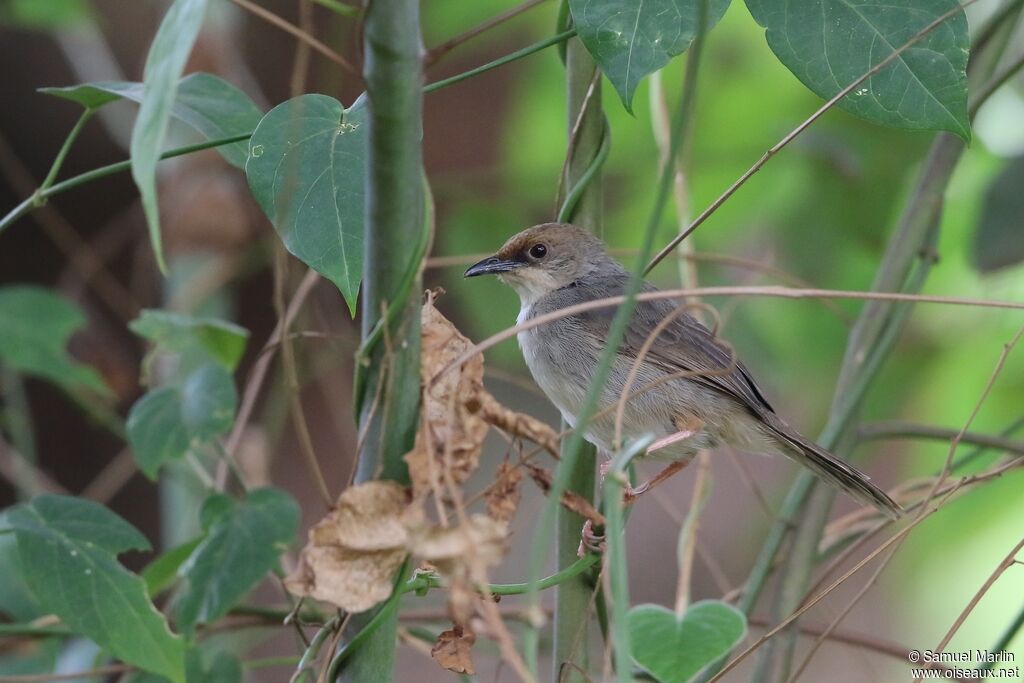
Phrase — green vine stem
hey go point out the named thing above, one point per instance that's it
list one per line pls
(423, 582)
(40, 197)
(556, 39)
(58, 162)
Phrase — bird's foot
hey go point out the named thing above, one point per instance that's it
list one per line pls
(633, 492)
(591, 541)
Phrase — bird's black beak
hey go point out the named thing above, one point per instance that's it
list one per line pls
(491, 266)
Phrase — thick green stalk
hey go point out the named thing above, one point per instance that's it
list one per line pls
(389, 397)
(572, 608)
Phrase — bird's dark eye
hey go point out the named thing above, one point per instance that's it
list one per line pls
(538, 251)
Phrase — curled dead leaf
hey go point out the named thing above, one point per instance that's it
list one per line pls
(368, 516)
(479, 542)
(451, 436)
(517, 424)
(503, 496)
(453, 650)
(353, 553)
(354, 580)
(570, 500)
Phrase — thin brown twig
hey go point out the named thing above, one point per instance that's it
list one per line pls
(271, 18)
(259, 369)
(954, 489)
(997, 370)
(823, 594)
(783, 276)
(828, 630)
(292, 386)
(792, 135)
(718, 575)
(112, 478)
(748, 479)
(634, 369)
(771, 291)
(300, 64)
(687, 545)
(11, 462)
(924, 512)
(1007, 562)
(435, 54)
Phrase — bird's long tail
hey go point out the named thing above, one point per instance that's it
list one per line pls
(836, 472)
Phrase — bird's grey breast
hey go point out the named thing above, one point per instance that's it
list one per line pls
(560, 354)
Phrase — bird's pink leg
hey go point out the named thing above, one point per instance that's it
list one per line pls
(591, 541)
(633, 493)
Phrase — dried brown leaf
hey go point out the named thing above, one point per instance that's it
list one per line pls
(453, 650)
(451, 436)
(517, 424)
(503, 496)
(480, 541)
(367, 516)
(354, 580)
(462, 599)
(571, 501)
(353, 553)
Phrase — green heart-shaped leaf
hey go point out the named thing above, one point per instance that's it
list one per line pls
(630, 39)
(828, 44)
(307, 170)
(674, 650)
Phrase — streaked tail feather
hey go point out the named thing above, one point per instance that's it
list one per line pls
(836, 472)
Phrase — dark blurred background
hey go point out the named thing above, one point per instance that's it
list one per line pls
(819, 214)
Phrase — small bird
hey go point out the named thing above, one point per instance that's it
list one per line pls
(688, 391)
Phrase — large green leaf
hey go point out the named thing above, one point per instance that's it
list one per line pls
(67, 549)
(162, 572)
(210, 105)
(164, 64)
(166, 422)
(999, 238)
(674, 649)
(16, 600)
(223, 341)
(630, 39)
(243, 542)
(202, 665)
(35, 325)
(829, 44)
(306, 168)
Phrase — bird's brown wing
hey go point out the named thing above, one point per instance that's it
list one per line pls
(684, 344)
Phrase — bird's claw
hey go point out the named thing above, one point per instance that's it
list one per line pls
(590, 540)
